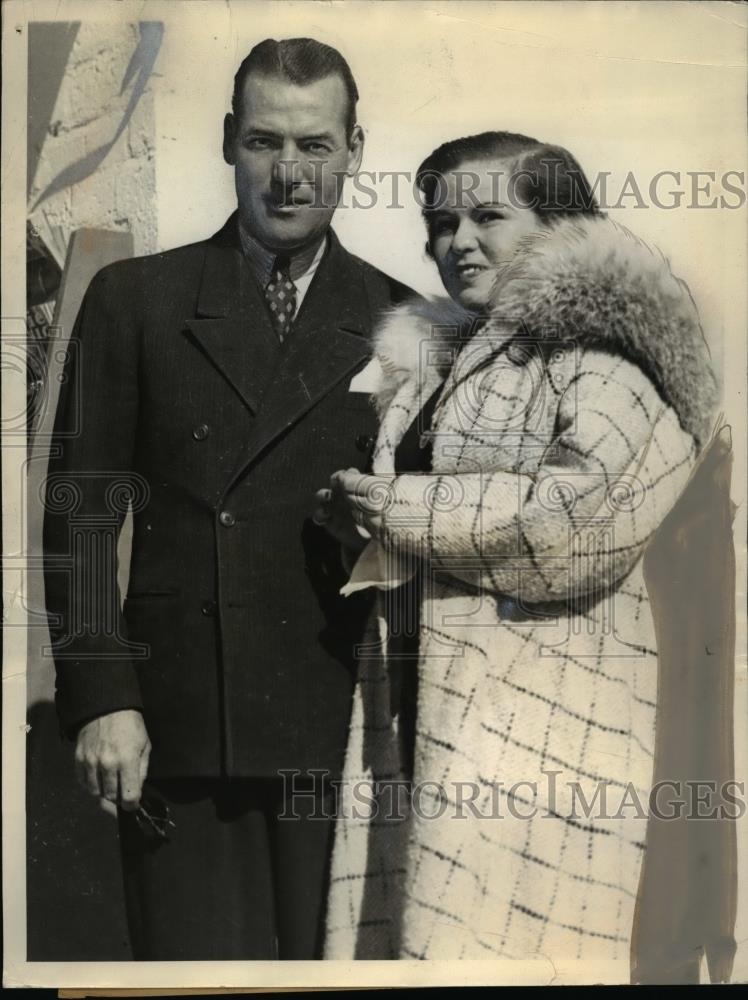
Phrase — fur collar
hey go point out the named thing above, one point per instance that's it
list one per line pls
(589, 280)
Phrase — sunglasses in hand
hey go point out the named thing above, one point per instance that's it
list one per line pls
(154, 819)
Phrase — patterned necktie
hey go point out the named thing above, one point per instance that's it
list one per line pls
(280, 294)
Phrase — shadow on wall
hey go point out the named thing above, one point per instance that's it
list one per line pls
(75, 908)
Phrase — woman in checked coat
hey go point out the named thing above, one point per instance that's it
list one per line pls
(535, 429)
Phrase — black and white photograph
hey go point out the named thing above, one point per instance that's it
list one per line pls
(374, 484)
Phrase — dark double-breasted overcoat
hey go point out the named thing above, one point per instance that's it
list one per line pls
(233, 639)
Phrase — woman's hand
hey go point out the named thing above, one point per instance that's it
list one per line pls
(366, 497)
(333, 513)
(354, 501)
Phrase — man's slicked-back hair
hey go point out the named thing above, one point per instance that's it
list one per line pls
(300, 61)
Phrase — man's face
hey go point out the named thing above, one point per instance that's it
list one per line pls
(290, 154)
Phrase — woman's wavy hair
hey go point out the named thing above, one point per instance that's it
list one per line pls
(546, 178)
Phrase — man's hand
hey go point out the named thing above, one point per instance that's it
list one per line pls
(111, 757)
(334, 513)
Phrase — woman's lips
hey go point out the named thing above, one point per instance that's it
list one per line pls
(468, 272)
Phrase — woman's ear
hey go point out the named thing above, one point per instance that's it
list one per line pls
(429, 251)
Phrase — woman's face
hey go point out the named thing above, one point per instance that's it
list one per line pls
(476, 228)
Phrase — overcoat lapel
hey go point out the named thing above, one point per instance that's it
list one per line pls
(328, 340)
(232, 326)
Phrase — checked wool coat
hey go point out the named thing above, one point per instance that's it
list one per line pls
(566, 427)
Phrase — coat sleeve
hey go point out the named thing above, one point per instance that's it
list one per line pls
(617, 462)
(88, 487)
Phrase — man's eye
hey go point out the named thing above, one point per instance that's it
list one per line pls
(317, 148)
(486, 217)
(258, 144)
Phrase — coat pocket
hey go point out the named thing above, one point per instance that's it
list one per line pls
(145, 603)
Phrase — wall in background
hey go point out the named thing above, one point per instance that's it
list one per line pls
(90, 164)
(91, 150)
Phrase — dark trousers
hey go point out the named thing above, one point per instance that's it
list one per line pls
(221, 874)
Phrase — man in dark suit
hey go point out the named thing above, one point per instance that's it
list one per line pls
(209, 386)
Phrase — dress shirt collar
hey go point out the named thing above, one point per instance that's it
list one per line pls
(261, 259)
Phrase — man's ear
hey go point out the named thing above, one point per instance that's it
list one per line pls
(355, 150)
(229, 136)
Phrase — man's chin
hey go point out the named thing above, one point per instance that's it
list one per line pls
(287, 233)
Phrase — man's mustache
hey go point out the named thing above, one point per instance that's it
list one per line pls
(281, 193)
(295, 194)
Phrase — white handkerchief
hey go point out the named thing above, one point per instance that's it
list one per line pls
(376, 567)
(367, 380)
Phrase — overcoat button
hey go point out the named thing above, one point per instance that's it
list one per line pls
(227, 519)
(200, 432)
(209, 609)
(364, 442)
